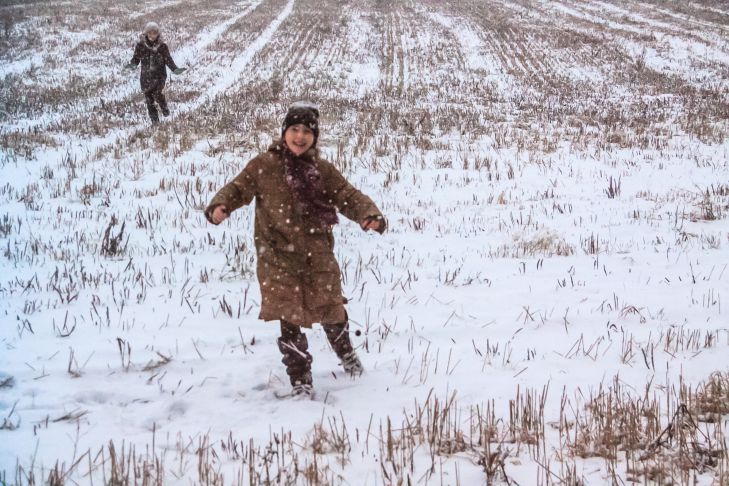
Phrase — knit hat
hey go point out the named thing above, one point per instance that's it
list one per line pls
(302, 112)
(151, 27)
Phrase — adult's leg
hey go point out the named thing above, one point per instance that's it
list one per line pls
(294, 348)
(159, 97)
(149, 100)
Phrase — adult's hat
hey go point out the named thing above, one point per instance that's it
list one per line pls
(305, 113)
(151, 27)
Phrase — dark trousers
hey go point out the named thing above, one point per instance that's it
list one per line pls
(295, 348)
(156, 96)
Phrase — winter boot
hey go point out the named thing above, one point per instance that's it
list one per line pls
(338, 336)
(294, 348)
(302, 391)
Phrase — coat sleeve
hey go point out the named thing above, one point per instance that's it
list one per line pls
(238, 192)
(349, 201)
(137, 57)
(168, 57)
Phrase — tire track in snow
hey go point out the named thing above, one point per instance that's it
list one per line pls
(318, 42)
(239, 64)
(692, 21)
(364, 73)
(389, 56)
(302, 41)
(684, 41)
(476, 56)
(18, 66)
(131, 87)
(647, 15)
(232, 75)
(154, 8)
(203, 41)
(393, 58)
(405, 37)
(673, 52)
(511, 52)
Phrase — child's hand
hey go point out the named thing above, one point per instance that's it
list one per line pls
(220, 214)
(375, 223)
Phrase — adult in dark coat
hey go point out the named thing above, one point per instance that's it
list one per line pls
(154, 56)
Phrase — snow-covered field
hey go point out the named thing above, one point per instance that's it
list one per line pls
(546, 307)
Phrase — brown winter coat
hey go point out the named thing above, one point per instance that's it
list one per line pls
(298, 274)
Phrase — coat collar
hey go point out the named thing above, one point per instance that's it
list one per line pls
(149, 44)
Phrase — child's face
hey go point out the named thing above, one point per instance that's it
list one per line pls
(152, 35)
(299, 138)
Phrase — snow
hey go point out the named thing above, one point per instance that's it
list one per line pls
(147, 11)
(669, 52)
(20, 66)
(239, 64)
(364, 71)
(477, 60)
(188, 54)
(507, 270)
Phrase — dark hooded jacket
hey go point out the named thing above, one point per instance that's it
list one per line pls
(155, 58)
(299, 276)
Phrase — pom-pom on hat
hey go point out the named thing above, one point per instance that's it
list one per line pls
(305, 113)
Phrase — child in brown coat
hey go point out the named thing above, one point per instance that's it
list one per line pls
(298, 195)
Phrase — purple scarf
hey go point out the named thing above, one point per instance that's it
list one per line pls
(304, 181)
